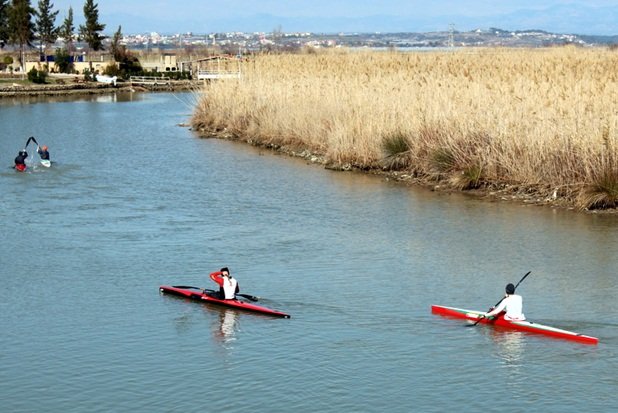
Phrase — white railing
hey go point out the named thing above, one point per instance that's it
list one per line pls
(218, 74)
(149, 80)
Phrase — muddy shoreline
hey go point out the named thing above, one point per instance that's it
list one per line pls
(492, 192)
(90, 88)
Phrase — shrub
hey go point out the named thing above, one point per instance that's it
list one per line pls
(37, 76)
(601, 193)
(88, 75)
(396, 149)
(63, 61)
(112, 70)
(395, 144)
(443, 160)
(469, 178)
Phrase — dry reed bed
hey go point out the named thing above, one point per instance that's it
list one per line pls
(539, 120)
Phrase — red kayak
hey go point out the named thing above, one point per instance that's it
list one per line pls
(20, 167)
(499, 321)
(198, 294)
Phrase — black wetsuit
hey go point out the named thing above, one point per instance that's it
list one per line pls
(20, 159)
(44, 154)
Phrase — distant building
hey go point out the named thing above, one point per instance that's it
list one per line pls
(159, 62)
(95, 62)
(214, 67)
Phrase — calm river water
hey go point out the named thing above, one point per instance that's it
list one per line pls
(135, 201)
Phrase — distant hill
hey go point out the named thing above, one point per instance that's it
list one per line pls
(577, 18)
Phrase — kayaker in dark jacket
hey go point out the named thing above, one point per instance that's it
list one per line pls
(44, 153)
(511, 304)
(228, 286)
(20, 160)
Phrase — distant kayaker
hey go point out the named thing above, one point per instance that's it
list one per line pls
(511, 304)
(20, 160)
(228, 286)
(44, 153)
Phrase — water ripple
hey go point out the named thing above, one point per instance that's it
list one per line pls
(135, 202)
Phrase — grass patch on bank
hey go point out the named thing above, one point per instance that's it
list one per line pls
(396, 149)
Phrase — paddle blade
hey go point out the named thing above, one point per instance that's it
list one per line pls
(478, 320)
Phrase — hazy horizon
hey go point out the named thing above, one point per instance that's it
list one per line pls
(593, 17)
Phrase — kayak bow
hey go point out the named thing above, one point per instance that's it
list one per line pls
(197, 294)
(499, 321)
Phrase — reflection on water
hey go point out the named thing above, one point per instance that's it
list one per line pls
(509, 346)
(226, 326)
(106, 97)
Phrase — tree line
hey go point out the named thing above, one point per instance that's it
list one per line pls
(21, 25)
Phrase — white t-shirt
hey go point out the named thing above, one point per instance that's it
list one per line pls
(513, 305)
(229, 287)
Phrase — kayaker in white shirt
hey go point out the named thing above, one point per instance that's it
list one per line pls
(511, 304)
(228, 286)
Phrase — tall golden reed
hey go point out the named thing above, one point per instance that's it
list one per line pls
(541, 119)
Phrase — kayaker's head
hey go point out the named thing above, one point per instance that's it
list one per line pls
(225, 272)
(23, 153)
(510, 289)
(44, 147)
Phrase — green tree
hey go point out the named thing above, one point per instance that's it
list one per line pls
(46, 24)
(128, 64)
(117, 49)
(4, 22)
(21, 27)
(90, 31)
(67, 30)
(63, 61)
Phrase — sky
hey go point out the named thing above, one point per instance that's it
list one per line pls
(596, 17)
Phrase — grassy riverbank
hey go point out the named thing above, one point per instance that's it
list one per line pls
(541, 122)
(76, 86)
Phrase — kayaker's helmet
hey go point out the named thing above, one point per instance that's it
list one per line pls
(225, 270)
(510, 289)
(23, 153)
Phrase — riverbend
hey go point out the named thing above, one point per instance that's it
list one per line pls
(133, 201)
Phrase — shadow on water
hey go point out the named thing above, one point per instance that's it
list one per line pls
(107, 97)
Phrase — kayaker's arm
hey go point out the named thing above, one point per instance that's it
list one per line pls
(217, 277)
(498, 309)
